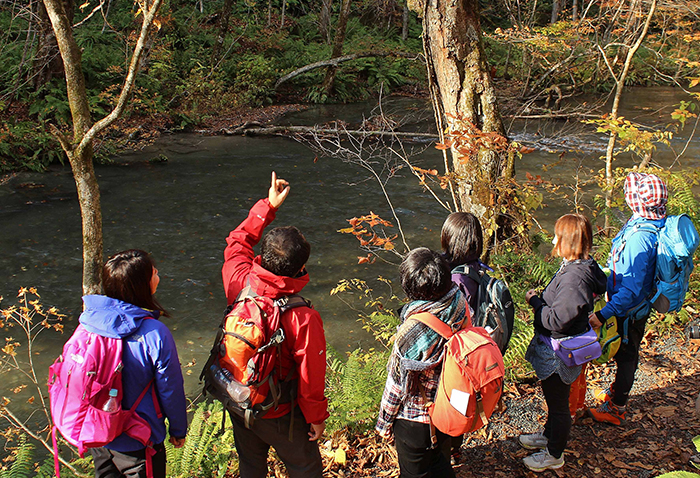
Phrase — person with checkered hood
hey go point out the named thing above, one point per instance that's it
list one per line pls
(632, 263)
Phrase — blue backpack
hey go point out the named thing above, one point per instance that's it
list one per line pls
(677, 241)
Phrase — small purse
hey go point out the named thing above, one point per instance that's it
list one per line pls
(578, 349)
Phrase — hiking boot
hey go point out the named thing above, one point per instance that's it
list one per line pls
(542, 460)
(534, 441)
(608, 412)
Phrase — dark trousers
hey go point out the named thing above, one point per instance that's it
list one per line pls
(300, 456)
(627, 359)
(416, 457)
(558, 426)
(132, 464)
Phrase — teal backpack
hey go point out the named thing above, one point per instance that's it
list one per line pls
(677, 241)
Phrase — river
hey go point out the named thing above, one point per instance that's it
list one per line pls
(182, 210)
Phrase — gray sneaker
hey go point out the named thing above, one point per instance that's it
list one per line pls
(542, 460)
(534, 441)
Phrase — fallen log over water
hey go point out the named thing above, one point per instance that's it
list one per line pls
(253, 128)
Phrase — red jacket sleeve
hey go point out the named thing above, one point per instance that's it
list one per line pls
(238, 255)
(309, 352)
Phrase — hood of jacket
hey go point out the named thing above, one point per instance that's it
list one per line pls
(267, 284)
(112, 317)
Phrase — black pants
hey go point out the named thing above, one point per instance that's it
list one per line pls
(416, 457)
(627, 359)
(558, 426)
(132, 464)
(300, 456)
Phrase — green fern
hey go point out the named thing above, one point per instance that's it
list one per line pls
(22, 460)
(206, 452)
(355, 389)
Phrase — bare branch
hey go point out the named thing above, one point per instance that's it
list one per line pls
(148, 17)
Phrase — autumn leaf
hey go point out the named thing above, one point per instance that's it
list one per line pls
(364, 259)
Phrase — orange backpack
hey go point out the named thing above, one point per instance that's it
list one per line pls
(245, 355)
(471, 381)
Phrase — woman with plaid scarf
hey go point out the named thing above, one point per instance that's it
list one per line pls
(415, 365)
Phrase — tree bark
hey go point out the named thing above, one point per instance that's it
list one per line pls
(329, 80)
(80, 161)
(462, 89)
(324, 21)
(223, 30)
(404, 22)
(619, 86)
(556, 8)
(80, 149)
(47, 60)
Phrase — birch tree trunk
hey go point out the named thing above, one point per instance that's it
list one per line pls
(79, 149)
(619, 86)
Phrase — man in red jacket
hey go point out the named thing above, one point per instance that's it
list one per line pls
(279, 271)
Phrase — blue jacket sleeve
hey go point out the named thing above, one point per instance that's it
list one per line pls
(632, 274)
(170, 385)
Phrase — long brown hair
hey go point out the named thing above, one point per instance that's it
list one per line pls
(126, 276)
(575, 237)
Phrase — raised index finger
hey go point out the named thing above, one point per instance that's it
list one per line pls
(274, 180)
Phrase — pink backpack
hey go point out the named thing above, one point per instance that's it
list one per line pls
(79, 383)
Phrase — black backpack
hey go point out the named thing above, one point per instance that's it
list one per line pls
(494, 310)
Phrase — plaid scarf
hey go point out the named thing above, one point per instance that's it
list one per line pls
(646, 195)
(417, 347)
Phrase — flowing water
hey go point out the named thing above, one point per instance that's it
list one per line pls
(182, 210)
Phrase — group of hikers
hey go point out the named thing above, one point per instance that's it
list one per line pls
(152, 384)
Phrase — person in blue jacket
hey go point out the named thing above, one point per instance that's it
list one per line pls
(632, 263)
(129, 311)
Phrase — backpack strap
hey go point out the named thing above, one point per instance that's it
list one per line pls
(434, 323)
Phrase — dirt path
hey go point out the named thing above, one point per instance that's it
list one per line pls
(657, 437)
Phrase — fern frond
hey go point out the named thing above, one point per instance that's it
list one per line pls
(23, 460)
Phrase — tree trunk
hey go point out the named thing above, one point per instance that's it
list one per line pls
(404, 22)
(284, 8)
(47, 61)
(619, 86)
(328, 81)
(81, 158)
(223, 30)
(462, 89)
(324, 21)
(79, 150)
(574, 11)
(556, 8)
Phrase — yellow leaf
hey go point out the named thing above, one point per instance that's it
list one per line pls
(340, 457)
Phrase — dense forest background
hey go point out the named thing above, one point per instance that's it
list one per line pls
(209, 59)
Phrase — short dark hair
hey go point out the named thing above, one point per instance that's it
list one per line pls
(126, 276)
(425, 275)
(284, 251)
(461, 238)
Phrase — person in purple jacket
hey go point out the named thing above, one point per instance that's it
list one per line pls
(129, 311)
